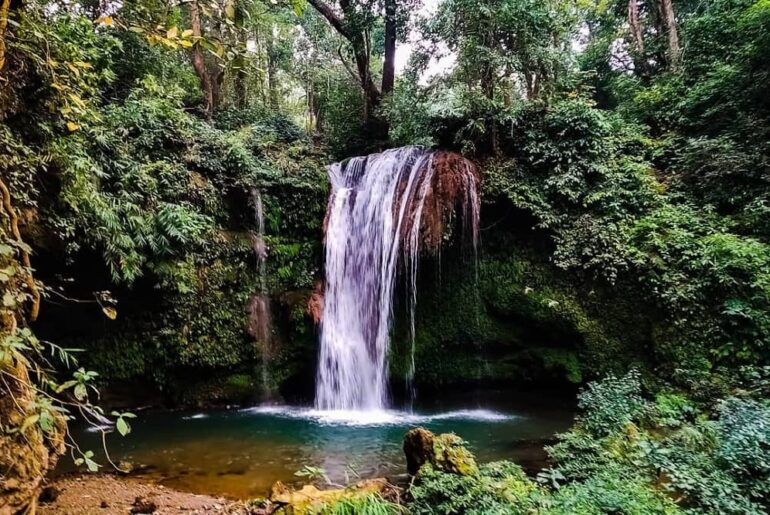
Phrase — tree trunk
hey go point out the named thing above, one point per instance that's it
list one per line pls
(241, 77)
(361, 54)
(389, 64)
(240, 88)
(636, 26)
(669, 20)
(199, 61)
(272, 90)
(5, 12)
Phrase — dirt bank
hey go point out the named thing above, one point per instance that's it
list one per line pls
(110, 495)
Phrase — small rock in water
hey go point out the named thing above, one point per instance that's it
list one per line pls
(142, 505)
(125, 467)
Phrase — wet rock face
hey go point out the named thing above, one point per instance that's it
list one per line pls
(445, 452)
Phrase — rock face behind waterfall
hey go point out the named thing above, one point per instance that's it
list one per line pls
(383, 208)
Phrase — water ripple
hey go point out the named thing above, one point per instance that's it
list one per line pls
(377, 417)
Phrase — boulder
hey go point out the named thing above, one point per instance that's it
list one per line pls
(445, 452)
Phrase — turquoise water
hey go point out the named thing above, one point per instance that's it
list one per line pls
(240, 453)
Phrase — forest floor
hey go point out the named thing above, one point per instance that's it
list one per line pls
(89, 494)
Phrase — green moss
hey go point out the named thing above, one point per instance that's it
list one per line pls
(518, 319)
(231, 389)
(451, 455)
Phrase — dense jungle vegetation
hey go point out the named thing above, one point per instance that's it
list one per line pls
(624, 147)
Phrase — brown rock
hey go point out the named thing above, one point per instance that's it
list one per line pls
(142, 505)
(418, 447)
(444, 452)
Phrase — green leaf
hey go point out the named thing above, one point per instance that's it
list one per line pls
(80, 392)
(46, 421)
(92, 465)
(122, 426)
(66, 385)
(29, 421)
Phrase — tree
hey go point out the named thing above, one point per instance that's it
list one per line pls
(211, 80)
(672, 34)
(355, 22)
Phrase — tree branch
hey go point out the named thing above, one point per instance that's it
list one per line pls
(332, 17)
(348, 67)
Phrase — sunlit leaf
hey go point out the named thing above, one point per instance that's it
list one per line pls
(122, 426)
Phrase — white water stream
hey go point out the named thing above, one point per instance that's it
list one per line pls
(375, 212)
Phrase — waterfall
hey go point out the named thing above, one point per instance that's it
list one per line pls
(380, 205)
(260, 326)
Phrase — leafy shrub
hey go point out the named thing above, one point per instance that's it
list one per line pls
(499, 487)
(371, 504)
(611, 490)
(611, 404)
(744, 448)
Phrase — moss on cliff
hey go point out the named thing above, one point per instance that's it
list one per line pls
(515, 317)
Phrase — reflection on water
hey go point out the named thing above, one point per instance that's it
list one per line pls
(241, 453)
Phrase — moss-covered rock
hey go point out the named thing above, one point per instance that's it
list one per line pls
(445, 452)
(27, 452)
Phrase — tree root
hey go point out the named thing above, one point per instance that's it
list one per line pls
(29, 279)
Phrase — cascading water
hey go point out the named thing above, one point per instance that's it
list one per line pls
(260, 325)
(376, 209)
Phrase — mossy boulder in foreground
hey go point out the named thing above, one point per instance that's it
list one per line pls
(444, 452)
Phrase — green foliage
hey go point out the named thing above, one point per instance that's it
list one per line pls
(500, 487)
(626, 195)
(626, 454)
(609, 491)
(706, 462)
(370, 504)
(610, 405)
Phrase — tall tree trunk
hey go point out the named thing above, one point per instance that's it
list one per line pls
(272, 89)
(389, 64)
(199, 60)
(669, 20)
(240, 88)
(372, 95)
(241, 77)
(5, 12)
(635, 24)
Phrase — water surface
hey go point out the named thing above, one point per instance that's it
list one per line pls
(240, 453)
